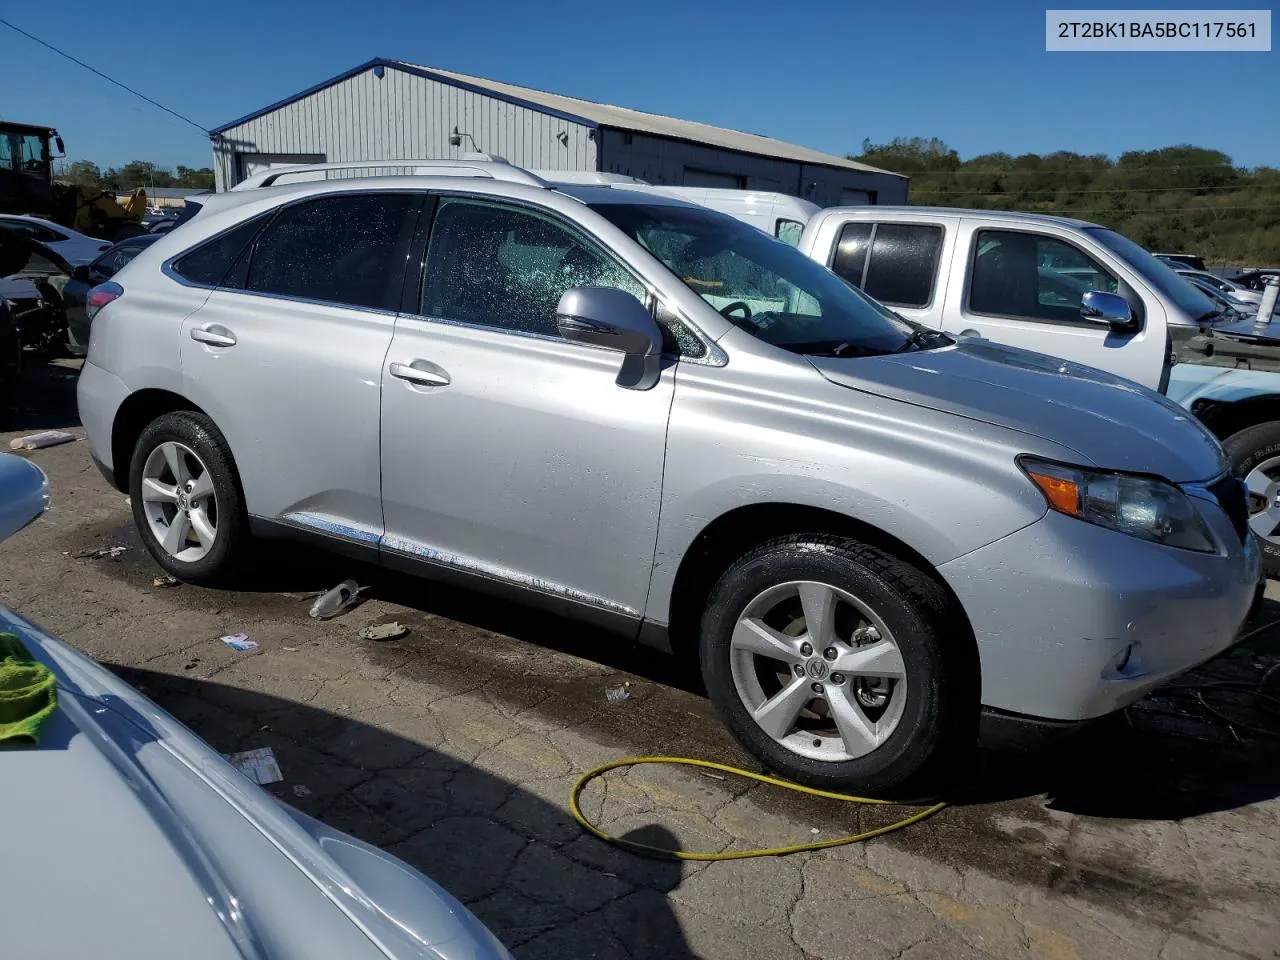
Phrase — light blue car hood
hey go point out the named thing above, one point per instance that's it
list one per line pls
(130, 838)
(1110, 422)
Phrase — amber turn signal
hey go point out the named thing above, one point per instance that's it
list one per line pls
(1063, 494)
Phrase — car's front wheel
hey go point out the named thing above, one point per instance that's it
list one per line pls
(1254, 456)
(186, 500)
(833, 662)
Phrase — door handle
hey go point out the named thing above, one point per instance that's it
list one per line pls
(212, 337)
(426, 378)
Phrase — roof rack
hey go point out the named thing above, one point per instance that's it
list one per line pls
(481, 165)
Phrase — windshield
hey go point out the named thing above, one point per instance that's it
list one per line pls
(1191, 301)
(759, 284)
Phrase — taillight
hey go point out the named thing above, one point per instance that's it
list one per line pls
(100, 296)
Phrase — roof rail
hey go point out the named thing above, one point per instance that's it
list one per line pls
(483, 165)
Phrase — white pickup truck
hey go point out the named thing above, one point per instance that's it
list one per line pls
(1082, 292)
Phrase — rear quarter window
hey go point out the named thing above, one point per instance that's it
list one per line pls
(209, 264)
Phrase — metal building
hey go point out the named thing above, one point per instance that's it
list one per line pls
(391, 110)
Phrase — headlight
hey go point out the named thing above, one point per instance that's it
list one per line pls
(1142, 507)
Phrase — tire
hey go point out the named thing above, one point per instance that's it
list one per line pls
(1256, 451)
(203, 454)
(928, 721)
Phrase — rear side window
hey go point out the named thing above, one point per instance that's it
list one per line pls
(896, 263)
(347, 249)
(208, 264)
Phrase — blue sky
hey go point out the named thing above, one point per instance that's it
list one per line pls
(819, 73)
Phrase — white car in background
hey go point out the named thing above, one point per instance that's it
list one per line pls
(75, 248)
(1223, 286)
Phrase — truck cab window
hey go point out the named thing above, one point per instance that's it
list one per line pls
(896, 263)
(1032, 276)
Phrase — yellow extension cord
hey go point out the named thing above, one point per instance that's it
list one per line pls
(661, 853)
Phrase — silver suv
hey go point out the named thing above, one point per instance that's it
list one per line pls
(646, 414)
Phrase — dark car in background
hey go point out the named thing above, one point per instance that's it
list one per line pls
(76, 292)
(10, 363)
(1253, 279)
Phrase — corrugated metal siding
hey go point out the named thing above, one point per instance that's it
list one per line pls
(664, 161)
(404, 116)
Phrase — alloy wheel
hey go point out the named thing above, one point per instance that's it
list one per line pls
(818, 670)
(179, 502)
(1263, 486)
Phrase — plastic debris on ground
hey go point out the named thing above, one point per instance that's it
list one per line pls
(239, 641)
(35, 441)
(301, 790)
(258, 765)
(384, 631)
(333, 602)
(165, 581)
(108, 553)
(618, 694)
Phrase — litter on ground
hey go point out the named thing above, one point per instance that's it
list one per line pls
(618, 694)
(258, 765)
(301, 790)
(239, 641)
(165, 581)
(34, 441)
(333, 602)
(109, 553)
(384, 631)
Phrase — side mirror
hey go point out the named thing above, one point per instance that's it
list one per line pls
(1108, 309)
(24, 493)
(614, 319)
(81, 273)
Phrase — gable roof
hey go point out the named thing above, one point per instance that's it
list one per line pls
(591, 114)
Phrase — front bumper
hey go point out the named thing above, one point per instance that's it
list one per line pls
(1074, 621)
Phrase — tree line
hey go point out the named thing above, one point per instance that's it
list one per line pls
(1181, 199)
(134, 174)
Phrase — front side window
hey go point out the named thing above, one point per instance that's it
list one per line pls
(33, 158)
(348, 249)
(896, 263)
(766, 288)
(500, 266)
(1032, 276)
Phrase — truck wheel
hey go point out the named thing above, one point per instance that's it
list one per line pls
(832, 662)
(1254, 455)
(186, 498)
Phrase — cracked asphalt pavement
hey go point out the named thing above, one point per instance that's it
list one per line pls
(1155, 834)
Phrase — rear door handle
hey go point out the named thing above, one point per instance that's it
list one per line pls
(214, 336)
(434, 377)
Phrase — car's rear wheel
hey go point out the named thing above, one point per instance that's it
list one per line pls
(186, 499)
(1254, 456)
(833, 663)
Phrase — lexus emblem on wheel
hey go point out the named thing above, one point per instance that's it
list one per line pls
(817, 669)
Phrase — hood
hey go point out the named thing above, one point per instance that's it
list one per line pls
(1110, 422)
(142, 842)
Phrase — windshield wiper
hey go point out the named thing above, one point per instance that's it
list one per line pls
(919, 338)
(830, 348)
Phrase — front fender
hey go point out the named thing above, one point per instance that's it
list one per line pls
(942, 485)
